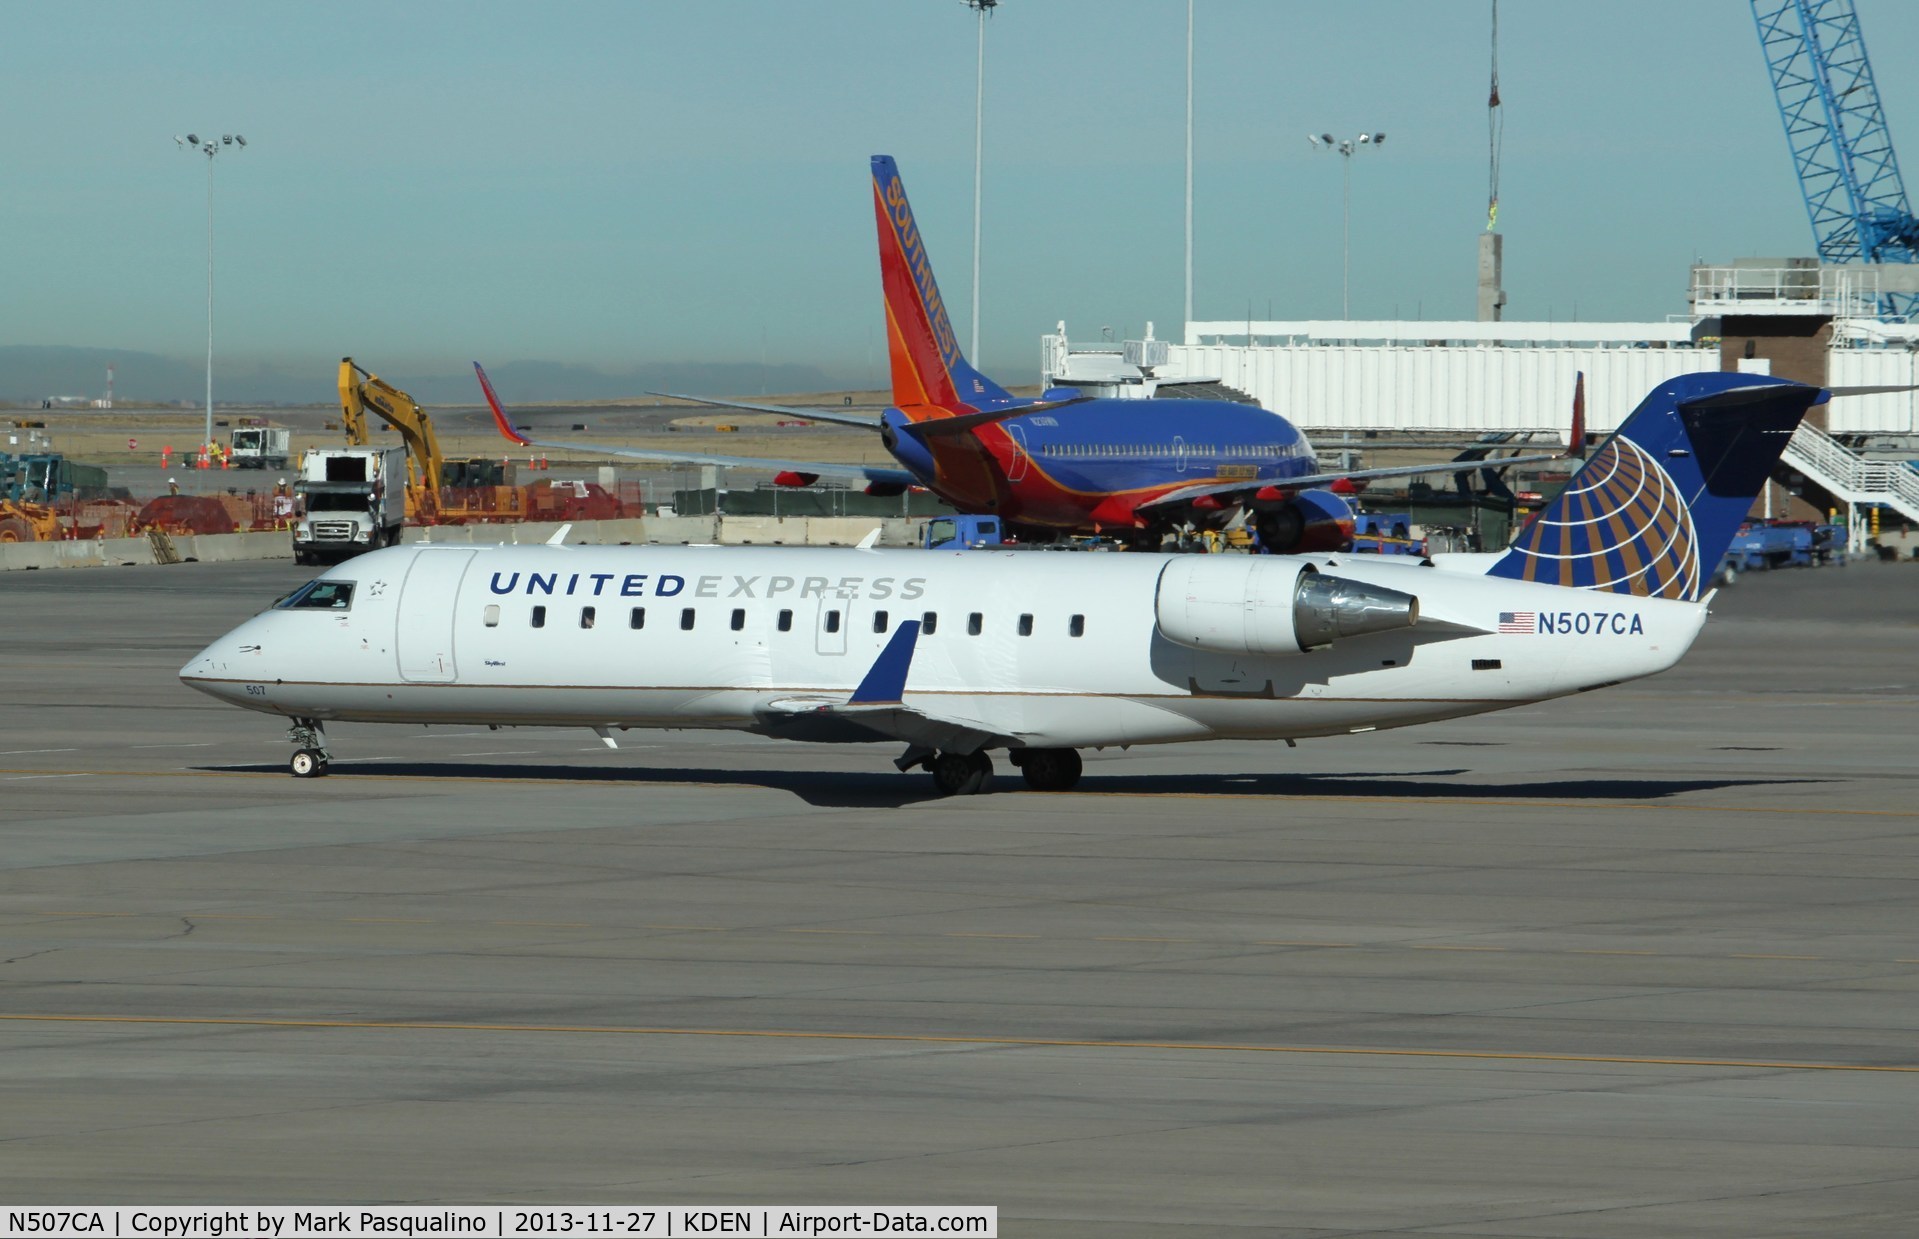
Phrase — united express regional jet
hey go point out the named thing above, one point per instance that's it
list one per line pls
(1065, 463)
(955, 655)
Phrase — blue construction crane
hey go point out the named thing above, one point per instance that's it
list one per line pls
(1837, 132)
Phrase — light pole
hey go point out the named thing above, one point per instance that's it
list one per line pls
(1189, 162)
(210, 147)
(1345, 148)
(981, 7)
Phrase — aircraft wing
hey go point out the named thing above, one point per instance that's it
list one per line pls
(875, 706)
(957, 425)
(811, 415)
(1187, 494)
(868, 474)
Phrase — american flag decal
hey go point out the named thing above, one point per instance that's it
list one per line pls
(1518, 621)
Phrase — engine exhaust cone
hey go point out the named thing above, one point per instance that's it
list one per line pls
(1326, 608)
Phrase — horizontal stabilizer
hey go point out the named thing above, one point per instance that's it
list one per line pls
(967, 422)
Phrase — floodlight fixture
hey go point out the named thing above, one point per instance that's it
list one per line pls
(1346, 147)
(194, 139)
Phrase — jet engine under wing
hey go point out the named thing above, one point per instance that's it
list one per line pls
(870, 474)
(1186, 494)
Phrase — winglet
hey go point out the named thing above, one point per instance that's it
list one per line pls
(871, 540)
(499, 414)
(1576, 436)
(887, 679)
(559, 535)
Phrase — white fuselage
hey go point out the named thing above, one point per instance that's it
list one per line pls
(1066, 652)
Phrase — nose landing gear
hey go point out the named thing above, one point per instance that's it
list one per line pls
(310, 758)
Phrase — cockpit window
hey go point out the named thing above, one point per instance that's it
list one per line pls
(320, 596)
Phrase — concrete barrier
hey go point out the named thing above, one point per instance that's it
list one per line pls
(583, 533)
(698, 530)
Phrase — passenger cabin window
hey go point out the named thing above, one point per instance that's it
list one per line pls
(973, 623)
(1025, 625)
(1077, 627)
(637, 618)
(586, 616)
(879, 621)
(832, 621)
(539, 617)
(492, 615)
(320, 596)
(929, 623)
(739, 618)
(686, 619)
(786, 621)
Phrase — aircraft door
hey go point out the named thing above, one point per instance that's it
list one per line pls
(829, 627)
(424, 620)
(1016, 468)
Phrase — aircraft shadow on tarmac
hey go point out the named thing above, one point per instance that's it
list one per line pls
(881, 789)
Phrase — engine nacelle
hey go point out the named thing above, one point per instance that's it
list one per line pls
(1245, 604)
(1312, 522)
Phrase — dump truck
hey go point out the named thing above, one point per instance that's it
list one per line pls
(352, 499)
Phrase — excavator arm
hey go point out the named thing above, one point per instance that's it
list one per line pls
(361, 390)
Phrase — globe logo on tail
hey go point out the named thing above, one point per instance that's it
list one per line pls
(1621, 526)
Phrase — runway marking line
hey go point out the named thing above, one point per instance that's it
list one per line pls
(1516, 802)
(860, 933)
(874, 933)
(1223, 1047)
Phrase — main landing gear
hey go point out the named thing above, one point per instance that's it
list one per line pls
(967, 774)
(1048, 770)
(310, 758)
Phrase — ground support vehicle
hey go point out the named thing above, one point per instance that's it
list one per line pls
(352, 500)
(260, 447)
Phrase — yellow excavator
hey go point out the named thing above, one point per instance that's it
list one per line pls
(438, 490)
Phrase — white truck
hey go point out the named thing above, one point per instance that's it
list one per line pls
(353, 499)
(260, 447)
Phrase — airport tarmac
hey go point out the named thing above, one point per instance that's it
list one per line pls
(1643, 962)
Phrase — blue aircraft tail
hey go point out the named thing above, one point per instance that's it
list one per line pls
(1656, 506)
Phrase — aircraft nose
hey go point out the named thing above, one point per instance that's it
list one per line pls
(215, 670)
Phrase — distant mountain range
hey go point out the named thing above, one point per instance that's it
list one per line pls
(31, 373)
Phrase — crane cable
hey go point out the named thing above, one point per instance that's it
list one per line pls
(1495, 132)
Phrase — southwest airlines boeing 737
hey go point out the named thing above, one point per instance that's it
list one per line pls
(1066, 463)
(954, 655)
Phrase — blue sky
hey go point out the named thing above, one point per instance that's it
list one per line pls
(612, 184)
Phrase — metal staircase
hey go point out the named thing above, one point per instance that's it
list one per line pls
(1850, 477)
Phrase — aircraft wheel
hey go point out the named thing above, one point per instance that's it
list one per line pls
(1051, 770)
(961, 774)
(308, 764)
